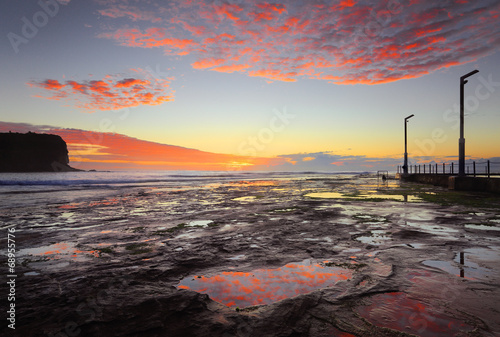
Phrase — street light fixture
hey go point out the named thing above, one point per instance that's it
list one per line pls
(461, 140)
(405, 165)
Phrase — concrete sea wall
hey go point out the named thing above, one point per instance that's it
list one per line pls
(455, 182)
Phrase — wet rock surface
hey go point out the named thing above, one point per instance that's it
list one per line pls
(114, 266)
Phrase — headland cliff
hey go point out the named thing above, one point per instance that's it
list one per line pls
(32, 152)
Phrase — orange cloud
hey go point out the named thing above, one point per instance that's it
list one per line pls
(51, 85)
(128, 82)
(109, 93)
(207, 63)
(231, 68)
(273, 74)
(229, 10)
(350, 42)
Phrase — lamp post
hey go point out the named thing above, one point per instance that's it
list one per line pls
(461, 140)
(405, 165)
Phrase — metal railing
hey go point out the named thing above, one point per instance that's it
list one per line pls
(486, 168)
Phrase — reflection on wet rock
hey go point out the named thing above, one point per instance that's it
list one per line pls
(400, 312)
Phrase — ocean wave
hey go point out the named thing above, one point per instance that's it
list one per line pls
(137, 177)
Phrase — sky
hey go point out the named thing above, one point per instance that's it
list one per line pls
(252, 85)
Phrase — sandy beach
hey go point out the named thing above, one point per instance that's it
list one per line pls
(323, 255)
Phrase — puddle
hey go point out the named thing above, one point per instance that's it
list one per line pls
(337, 195)
(31, 273)
(237, 257)
(253, 183)
(467, 264)
(227, 227)
(416, 245)
(265, 286)
(79, 228)
(67, 215)
(192, 234)
(249, 198)
(482, 227)
(377, 237)
(400, 312)
(435, 229)
(326, 195)
(199, 223)
(58, 251)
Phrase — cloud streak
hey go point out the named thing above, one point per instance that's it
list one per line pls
(110, 93)
(112, 151)
(342, 42)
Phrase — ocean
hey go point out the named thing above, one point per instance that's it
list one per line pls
(34, 189)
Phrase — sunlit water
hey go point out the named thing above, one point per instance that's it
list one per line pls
(27, 189)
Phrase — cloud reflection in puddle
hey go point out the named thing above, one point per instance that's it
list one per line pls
(265, 286)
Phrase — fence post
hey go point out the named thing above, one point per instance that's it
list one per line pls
(474, 168)
(424, 168)
(451, 167)
(488, 168)
(436, 168)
